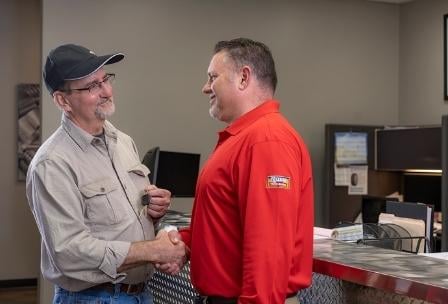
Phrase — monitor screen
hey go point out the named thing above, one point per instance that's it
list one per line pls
(174, 171)
(423, 189)
(372, 206)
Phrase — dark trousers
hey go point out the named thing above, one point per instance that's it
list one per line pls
(220, 300)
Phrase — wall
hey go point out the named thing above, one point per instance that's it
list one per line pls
(20, 53)
(329, 64)
(421, 62)
(337, 63)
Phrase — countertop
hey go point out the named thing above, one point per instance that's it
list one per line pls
(403, 273)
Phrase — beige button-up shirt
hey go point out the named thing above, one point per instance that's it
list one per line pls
(85, 194)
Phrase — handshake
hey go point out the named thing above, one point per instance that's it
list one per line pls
(166, 252)
(169, 252)
(172, 252)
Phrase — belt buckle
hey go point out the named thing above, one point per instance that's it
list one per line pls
(133, 289)
(129, 290)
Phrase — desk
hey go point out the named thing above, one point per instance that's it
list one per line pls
(381, 273)
(346, 273)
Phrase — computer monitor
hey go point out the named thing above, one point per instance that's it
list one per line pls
(423, 189)
(175, 171)
(151, 160)
(372, 206)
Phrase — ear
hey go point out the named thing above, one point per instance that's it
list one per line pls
(62, 102)
(245, 77)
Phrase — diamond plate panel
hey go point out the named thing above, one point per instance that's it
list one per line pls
(329, 290)
(324, 290)
(169, 289)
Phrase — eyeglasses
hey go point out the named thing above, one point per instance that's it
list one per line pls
(95, 87)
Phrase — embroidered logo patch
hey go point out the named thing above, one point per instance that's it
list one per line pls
(277, 181)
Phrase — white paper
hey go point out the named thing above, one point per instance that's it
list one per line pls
(322, 233)
(348, 233)
(341, 175)
(358, 180)
(412, 227)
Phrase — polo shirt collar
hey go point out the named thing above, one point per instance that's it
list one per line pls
(81, 137)
(267, 107)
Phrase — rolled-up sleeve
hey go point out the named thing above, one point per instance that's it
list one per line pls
(115, 254)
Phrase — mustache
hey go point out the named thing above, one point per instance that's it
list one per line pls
(103, 101)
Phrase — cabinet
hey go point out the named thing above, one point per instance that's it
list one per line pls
(408, 149)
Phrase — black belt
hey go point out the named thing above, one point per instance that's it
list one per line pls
(214, 300)
(222, 300)
(130, 289)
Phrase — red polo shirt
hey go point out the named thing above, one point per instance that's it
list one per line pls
(252, 223)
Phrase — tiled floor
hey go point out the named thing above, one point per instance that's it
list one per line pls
(23, 295)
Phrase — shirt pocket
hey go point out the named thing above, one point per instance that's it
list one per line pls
(139, 176)
(98, 197)
(138, 173)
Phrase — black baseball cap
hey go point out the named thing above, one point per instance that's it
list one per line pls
(72, 62)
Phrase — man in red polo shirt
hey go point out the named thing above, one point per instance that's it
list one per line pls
(251, 228)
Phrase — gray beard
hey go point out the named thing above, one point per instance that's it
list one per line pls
(104, 114)
(100, 114)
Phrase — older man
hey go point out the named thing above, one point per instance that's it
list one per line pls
(85, 186)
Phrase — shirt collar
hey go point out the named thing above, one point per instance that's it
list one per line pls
(267, 107)
(81, 137)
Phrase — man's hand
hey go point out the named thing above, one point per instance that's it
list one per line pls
(173, 268)
(164, 249)
(170, 247)
(159, 201)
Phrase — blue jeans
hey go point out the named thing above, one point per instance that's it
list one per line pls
(92, 296)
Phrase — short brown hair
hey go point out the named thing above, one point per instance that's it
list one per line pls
(244, 51)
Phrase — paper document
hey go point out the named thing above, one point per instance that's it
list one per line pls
(409, 228)
(349, 233)
(341, 175)
(350, 148)
(358, 180)
(322, 233)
